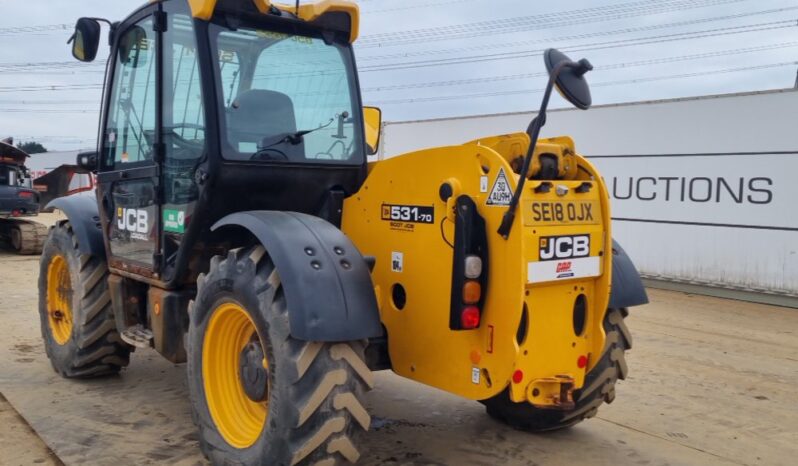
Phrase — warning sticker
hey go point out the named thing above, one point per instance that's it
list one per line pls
(397, 262)
(500, 194)
(174, 221)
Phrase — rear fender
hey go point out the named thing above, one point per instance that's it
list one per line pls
(326, 280)
(627, 287)
(83, 215)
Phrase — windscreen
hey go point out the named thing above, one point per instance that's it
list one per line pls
(287, 97)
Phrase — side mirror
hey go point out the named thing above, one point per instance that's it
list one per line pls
(88, 161)
(372, 121)
(570, 79)
(86, 39)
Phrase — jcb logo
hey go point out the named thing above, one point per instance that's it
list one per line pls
(132, 220)
(564, 247)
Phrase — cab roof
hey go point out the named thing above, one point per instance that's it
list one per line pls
(307, 11)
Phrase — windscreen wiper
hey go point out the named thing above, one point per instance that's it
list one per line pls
(290, 138)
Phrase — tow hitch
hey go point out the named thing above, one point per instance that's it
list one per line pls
(552, 392)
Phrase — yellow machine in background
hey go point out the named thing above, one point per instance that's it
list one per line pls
(238, 227)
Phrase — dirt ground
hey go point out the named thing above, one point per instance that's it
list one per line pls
(711, 381)
(19, 444)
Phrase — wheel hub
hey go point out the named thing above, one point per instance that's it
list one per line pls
(253, 373)
(59, 300)
(235, 374)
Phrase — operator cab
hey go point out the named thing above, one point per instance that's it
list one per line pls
(217, 107)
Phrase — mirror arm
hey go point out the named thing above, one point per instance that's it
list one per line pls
(103, 20)
(534, 132)
(112, 33)
(111, 28)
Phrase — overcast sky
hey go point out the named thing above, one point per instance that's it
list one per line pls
(641, 49)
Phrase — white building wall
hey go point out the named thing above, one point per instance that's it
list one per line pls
(704, 189)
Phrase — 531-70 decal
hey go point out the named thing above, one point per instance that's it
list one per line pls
(408, 213)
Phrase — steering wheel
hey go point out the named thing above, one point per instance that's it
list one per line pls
(183, 143)
(185, 126)
(266, 154)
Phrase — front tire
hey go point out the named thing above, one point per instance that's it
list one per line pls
(258, 395)
(599, 386)
(77, 321)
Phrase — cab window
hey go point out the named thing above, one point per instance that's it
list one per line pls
(183, 116)
(130, 130)
(287, 98)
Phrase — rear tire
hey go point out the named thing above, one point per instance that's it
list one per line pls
(77, 321)
(599, 387)
(314, 413)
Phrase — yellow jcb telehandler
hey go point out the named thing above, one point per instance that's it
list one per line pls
(238, 227)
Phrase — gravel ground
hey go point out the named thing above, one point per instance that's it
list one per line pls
(712, 381)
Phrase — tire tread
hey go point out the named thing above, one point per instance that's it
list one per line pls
(95, 348)
(320, 411)
(599, 387)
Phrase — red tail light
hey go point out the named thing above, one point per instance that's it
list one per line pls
(581, 362)
(469, 318)
(25, 194)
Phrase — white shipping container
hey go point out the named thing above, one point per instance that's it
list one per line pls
(704, 189)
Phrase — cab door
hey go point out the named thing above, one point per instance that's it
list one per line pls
(128, 182)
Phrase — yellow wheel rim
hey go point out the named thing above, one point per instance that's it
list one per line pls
(239, 419)
(59, 299)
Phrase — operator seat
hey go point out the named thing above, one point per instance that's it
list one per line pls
(259, 114)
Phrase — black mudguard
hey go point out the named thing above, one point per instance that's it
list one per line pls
(326, 280)
(83, 214)
(627, 288)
